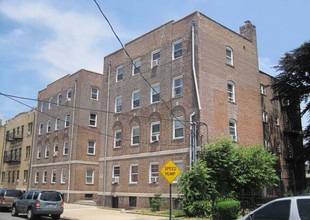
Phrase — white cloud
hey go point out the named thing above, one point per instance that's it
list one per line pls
(65, 41)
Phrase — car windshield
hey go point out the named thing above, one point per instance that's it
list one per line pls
(304, 208)
(13, 193)
(50, 196)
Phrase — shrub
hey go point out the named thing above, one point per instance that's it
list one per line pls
(226, 209)
(198, 209)
(156, 202)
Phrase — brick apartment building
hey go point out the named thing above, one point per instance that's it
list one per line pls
(67, 140)
(16, 137)
(193, 74)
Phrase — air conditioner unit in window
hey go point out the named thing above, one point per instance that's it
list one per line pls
(55, 154)
(155, 62)
(115, 180)
(68, 99)
(25, 180)
(154, 179)
(155, 138)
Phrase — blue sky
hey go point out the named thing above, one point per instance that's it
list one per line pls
(41, 41)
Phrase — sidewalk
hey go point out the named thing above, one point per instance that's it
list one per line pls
(86, 212)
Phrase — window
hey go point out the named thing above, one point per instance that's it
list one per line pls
(136, 66)
(117, 139)
(53, 176)
(30, 126)
(133, 177)
(36, 177)
(303, 207)
(266, 143)
(116, 171)
(263, 89)
(47, 151)
(135, 99)
(178, 128)
(155, 131)
(89, 176)
(42, 106)
(44, 176)
(233, 130)
(155, 57)
(153, 173)
(91, 147)
(277, 121)
(119, 73)
(57, 124)
(275, 211)
(40, 128)
(177, 86)
(265, 117)
(132, 201)
(229, 56)
(50, 102)
(27, 152)
(231, 91)
(94, 93)
(118, 104)
(25, 176)
(179, 164)
(92, 120)
(155, 90)
(135, 132)
(177, 49)
(67, 120)
(63, 176)
(55, 149)
(39, 152)
(59, 99)
(66, 148)
(48, 126)
(69, 95)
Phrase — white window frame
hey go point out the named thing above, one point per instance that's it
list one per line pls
(63, 176)
(93, 120)
(233, 130)
(176, 87)
(179, 164)
(47, 151)
(42, 106)
(117, 140)
(155, 93)
(69, 95)
(153, 174)
(178, 123)
(263, 89)
(57, 124)
(118, 104)
(50, 102)
(131, 173)
(56, 148)
(277, 121)
(36, 177)
(44, 176)
(154, 133)
(53, 176)
(135, 98)
(230, 56)
(94, 93)
(65, 148)
(231, 93)
(93, 147)
(39, 151)
(113, 171)
(136, 66)
(265, 116)
(175, 51)
(119, 76)
(59, 99)
(134, 130)
(67, 120)
(155, 61)
(90, 174)
(41, 128)
(48, 126)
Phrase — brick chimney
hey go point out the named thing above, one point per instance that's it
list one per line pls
(248, 30)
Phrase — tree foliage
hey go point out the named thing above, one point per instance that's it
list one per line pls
(293, 81)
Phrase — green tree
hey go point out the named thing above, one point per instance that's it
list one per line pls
(293, 81)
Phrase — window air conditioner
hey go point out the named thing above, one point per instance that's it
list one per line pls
(55, 154)
(115, 180)
(155, 62)
(154, 179)
(155, 138)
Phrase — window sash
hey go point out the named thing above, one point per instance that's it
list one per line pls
(177, 87)
(155, 97)
(118, 104)
(91, 147)
(133, 173)
(178, 128)
(233, 130)
(177, 50)
(94, 93)
(118, 139)
(116, 171)
(119, 73)
(93, 120)
(135, 132)
(229, 56)
(90, 177)
(136, 66)
(136, 99)
(231, 92)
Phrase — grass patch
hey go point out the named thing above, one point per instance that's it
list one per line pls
(176, 214)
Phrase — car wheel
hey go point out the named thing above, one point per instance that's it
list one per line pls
(30, 215)
(55, 217)
(13, 211)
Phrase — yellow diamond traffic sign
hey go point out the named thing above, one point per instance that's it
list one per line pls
(170, 171)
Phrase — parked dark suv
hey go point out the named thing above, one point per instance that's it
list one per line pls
(39, 203)
(7, 197)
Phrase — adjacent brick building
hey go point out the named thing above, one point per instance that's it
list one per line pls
(16, 137)
(188, 75)
(68, 132)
